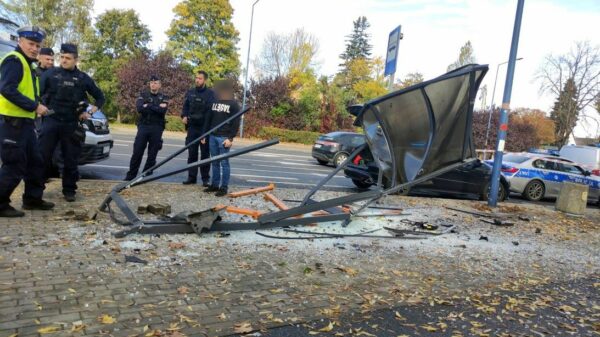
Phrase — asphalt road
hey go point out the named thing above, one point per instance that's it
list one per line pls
(284, 165)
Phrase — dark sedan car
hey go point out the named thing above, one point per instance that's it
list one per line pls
(469, 181)
(335, 147)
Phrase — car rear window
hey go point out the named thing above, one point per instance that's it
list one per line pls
(513, 158)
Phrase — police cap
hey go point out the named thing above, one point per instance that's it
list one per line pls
(154, 78)
(33, 33)
(68, 48)
(47, 51)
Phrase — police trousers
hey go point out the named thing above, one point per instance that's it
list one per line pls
(192, 134)
(21, 159)
(147, 135)
(58, 133)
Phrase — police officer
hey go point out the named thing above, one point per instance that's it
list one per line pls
(65, 90)
(196, 108)
(152, 106)
(19, 104)
(45, 61)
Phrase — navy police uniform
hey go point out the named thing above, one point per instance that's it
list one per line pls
(196, 108)
(151, 125)
(65, 92)
(19, 148)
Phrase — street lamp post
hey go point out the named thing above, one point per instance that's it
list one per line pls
(487, 131)
(247, 68)
(503, 127)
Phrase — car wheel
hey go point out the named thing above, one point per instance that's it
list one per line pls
(534, 191)
(361, 184)
(502, 193)
(339, 158)
(322, 162)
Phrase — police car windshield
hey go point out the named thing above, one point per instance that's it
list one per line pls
(513, 158)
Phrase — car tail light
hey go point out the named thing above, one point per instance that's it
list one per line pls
(510, 170)
(357, 160)
(596, 172)
(328, 143)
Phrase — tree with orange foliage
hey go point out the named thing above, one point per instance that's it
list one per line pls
(544, 126)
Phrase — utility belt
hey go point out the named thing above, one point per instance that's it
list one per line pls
(16, 122)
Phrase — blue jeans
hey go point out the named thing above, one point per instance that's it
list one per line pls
(217, 148)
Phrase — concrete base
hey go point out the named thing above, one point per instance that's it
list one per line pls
(572, 198)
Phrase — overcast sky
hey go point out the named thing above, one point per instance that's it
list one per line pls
(433, 31)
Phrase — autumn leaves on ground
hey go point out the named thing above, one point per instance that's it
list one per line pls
(63, 273)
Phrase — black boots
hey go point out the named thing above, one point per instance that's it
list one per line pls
(39, 204)
(189, 181)
(10, 212)
(221, 192)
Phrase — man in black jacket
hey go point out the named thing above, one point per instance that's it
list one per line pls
(152, 106)
(221, 140)
(196, 108)
(65, 91)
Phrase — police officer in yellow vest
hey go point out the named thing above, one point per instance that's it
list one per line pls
(19, 148)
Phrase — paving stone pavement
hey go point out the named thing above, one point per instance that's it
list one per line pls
(65, 277)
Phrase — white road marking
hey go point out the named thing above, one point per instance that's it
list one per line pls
(107, 166)
(264, 177)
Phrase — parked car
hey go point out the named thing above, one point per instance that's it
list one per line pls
(335, 147)
(537, 177)
(469, 181)
(586, 156)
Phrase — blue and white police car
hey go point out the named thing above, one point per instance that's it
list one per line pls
(537, 176)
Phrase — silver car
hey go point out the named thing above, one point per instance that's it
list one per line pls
(538, 176)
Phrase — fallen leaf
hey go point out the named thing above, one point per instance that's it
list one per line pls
(176, 245)
(49, 329)
(106, 319)
(429, 328)
(567, 308)
(71, 290)
(222, 316)
(244, 327)
(174, 327)
(399, 317)
(349, 271)
(77, 326)
(327, 328)
(183, 290)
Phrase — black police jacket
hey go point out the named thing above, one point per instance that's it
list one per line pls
(62, 90)
(196, 106)
(152, 113)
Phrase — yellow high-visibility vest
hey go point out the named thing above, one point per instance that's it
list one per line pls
(26, 87)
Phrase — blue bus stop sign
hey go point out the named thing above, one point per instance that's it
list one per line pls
(392, 51)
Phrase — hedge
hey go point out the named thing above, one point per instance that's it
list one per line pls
(289, 136)
(174, 123)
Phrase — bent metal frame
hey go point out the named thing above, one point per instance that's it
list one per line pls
(414, 134)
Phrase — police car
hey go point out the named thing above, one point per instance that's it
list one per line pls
(538, 176)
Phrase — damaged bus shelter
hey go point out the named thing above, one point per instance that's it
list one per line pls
(414, 134)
